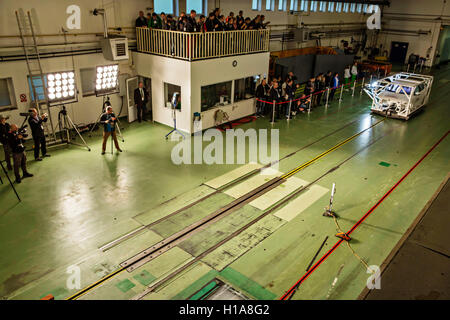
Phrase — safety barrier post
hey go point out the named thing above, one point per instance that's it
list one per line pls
(370, 81)
(328, 95)
(289, 112)
(273, 113)
(362, 86)
(354, 87)
(340, 96)
(310, 100)
(385, 72)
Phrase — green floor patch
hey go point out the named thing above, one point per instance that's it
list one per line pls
(196, 286)
(204, 290)
(242, 282)
(384, 164)
(125, 285)
(144, 277)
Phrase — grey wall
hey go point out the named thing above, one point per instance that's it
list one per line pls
(333, 63)
(307, 66)
(301, 66)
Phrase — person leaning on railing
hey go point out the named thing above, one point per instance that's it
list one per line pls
(211, 24)
(141, 21)
(191, 22)
(155, 22)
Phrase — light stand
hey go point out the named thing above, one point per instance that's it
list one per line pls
(68, 124)
(10, 182)
(174, 116)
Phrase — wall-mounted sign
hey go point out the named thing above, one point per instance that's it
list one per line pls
(23, 97)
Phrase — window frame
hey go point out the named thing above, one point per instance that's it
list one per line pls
(214, 106)
(330, 7)
(12, 96)
(282, 5)
(83, 93)
(304, 5)
(173, 4)
(293, 5)
(258, 5)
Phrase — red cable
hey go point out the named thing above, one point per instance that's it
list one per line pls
(306, 275)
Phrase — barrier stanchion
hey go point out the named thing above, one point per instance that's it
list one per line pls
(273, 112)
(370, 81)
(354, 87)
(289, 112)
(310, 100)
(328, 96)
(407, 69)
(340, 95)
(362, 87)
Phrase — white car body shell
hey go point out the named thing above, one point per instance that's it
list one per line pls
(400, 95)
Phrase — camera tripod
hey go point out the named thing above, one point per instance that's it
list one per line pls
(65, 125)
(106, 103)
(10, 182)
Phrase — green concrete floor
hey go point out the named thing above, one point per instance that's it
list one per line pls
(80, 200)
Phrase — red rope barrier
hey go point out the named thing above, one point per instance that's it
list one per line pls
(307, 274)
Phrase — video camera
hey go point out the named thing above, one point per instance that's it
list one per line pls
(23, 131)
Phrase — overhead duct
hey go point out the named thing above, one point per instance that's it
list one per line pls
(114, 47)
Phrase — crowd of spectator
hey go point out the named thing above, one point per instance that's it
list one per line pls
(313, 94)
(193, 23)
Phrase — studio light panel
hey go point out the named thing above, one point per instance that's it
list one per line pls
(107, 79)
(61, 87)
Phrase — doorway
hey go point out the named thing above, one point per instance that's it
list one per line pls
(399, 51)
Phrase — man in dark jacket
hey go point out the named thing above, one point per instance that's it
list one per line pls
(192, 25)
(320, 86)
(37, 131)
(140, 101)
(211, 23)
(289, 91)
(262, 91)
(15, 141)
(141, 21)
(4, 129)
(275, 95)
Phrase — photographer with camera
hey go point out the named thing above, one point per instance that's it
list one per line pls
(37, 131)
(15, 140)
(108, 119)
(4, 129)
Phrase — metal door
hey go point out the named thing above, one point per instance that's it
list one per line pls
(132, 84)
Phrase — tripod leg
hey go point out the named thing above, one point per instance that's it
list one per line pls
(78, 132)
(95, 124)
(10, 182)
(119, 132)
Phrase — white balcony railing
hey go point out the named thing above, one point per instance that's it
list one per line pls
(201, 45)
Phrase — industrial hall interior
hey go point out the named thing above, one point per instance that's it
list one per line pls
(245, 150)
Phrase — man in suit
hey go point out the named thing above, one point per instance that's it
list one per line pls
(37, 131)
(140, 101)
